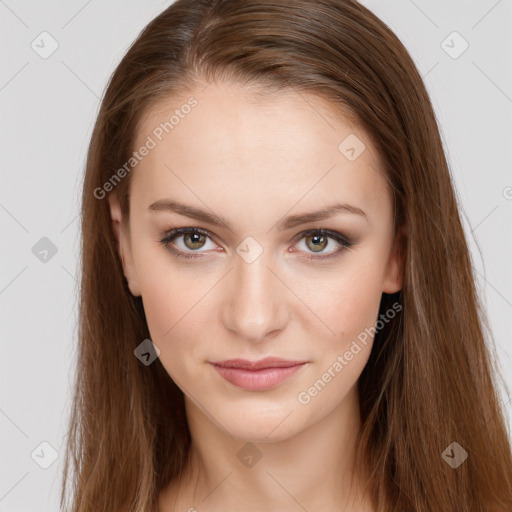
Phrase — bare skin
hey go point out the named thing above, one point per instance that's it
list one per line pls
(255, 163)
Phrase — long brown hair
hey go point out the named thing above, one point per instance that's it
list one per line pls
(430, 380)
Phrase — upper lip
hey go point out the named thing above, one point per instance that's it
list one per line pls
(268, 362)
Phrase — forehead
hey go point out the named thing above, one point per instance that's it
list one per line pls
(232, 115)
(227, 142)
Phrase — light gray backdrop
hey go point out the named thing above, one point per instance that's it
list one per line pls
(56, 58)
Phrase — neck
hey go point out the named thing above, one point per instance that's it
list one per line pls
(312, 469)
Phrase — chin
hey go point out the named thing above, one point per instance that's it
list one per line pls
(258, 424)
(260, 434)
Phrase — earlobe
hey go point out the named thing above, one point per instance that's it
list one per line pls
(396, 264)
(123, 245)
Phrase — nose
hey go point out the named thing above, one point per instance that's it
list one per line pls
(256, 300)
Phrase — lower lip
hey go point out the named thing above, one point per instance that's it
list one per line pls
(257, 380)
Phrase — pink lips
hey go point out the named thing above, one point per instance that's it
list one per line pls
(259, 375)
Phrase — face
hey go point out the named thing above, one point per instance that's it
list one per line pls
(256, 276)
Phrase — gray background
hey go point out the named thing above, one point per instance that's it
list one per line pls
(48, 107)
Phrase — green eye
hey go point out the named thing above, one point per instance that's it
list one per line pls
(194, 239)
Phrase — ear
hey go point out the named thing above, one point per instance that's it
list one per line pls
(123, 244)
(394, 278)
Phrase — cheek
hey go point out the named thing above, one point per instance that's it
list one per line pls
(177, 301)
(346, 300)
(168, 296)
(169, 292)
(174, 327)
(348, 304)
(156, 285)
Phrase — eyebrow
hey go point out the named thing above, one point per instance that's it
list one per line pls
(193, 212)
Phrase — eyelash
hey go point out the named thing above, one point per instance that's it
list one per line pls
(345, 242)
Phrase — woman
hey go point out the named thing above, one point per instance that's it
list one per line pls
(277, 305)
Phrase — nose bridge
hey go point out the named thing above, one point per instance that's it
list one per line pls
(256, 305)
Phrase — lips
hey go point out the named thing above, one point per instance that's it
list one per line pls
(257, 375)
(268, 362)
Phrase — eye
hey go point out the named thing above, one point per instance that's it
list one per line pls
(317, 240)
(194, 239)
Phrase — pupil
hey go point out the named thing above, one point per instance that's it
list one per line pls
(194, 240)
(318, 240)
